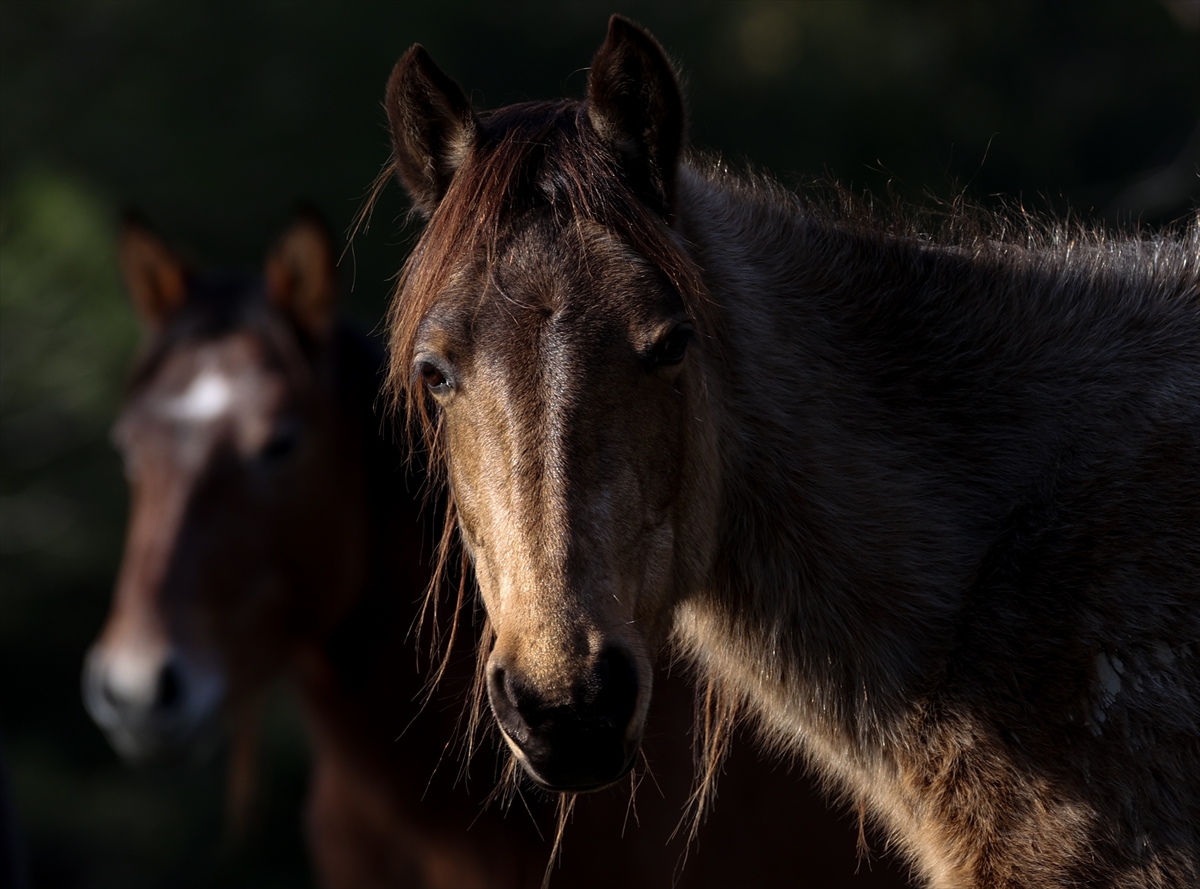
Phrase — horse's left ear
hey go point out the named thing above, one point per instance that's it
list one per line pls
(301, 274)
(154, 276)
(636, 107)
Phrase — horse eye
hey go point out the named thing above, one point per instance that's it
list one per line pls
(672, 348)
(433, 378)
(281, 446)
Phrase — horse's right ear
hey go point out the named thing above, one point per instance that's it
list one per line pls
(433, 127)
(154, 275)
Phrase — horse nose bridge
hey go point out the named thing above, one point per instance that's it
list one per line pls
(157, 516)
(556, 645)
(549, 654)
(562, 606)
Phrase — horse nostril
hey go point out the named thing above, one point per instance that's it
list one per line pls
(608, 696)
(527, 702)
(517, 706)
(497, 686)
(168, 692)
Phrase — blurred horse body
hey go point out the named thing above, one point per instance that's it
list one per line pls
(272, 530)
(275, 529)
(929, 507)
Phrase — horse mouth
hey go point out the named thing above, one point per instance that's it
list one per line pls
(147, 744)
(575, 759)
(575, 769)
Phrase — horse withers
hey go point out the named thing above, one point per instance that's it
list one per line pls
(929, 506)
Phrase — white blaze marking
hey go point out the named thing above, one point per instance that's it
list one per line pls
(209, 396)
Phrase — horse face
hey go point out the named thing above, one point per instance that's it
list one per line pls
(574, 422)
(545, 312)
(231, 451)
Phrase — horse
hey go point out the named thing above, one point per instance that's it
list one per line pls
(278, 528)
(921, 496)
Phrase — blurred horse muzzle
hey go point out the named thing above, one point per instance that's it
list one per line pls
(152, 704)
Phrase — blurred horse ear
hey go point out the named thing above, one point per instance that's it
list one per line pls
(154, 275)
(636, 107)
(433, 127)
(301, 274)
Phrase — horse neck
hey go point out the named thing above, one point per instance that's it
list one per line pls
(902, 404)
(846, 534)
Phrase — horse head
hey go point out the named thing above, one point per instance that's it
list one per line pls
(551, 330)
(244, 532)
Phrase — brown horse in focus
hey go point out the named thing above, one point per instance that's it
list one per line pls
(930, 507)
(274, 530)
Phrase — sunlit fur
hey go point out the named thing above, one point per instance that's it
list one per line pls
(947, 474)
(983, 475)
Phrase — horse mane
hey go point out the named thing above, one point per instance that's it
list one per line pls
(1069, 260)
(1010, 232)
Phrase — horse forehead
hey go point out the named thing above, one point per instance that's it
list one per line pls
(562, 288)
(209, 384)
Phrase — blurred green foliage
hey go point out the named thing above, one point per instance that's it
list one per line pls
(216, 117)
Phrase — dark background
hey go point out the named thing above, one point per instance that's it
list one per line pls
(215, 118)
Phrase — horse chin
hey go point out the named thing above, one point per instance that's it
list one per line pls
(575, 768)
(560, 783)
(147, 743)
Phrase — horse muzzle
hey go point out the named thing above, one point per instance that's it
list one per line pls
(583, 742)
(153, 708)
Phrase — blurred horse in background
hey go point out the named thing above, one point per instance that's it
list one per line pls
(274, 529)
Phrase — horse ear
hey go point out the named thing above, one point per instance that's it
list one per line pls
(433, 127)
(154, 275)
(636, 107)
(301, 274)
